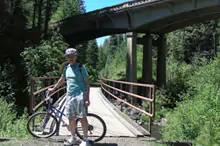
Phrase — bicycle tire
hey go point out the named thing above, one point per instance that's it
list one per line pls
(99, 128)
(42, 125)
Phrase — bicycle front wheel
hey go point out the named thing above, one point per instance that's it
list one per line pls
(42, 125)
(96, 128)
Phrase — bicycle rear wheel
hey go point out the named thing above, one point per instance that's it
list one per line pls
(96, 128)
(42, 125)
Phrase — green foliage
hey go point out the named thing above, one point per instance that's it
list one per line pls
(8, 81)
(92, 60)
(112, 58)
(139, 61)
(27, 7)
(11, 126)
(92, 54)
(68, 8)
(115, 65)
(197, 117)
(82, 52)
(195, 41)
(93, 75)
(114, 41)
(178, 74)
(44, 59)
(145, 118)
(101, 57)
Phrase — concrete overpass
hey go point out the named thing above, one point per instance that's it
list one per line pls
(140, 16)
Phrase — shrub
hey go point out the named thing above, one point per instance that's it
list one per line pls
(8, 81)
(11, 126)
(44, 59)
(198, 118)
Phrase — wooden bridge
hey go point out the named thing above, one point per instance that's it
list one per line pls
(118, 124)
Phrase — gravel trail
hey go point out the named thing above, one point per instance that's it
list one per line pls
(108, 141)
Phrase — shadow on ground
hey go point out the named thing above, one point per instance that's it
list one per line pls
(105, 144)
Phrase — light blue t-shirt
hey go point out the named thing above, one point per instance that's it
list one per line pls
(75, 79)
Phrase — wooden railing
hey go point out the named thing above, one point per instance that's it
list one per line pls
(109, 89)
(38, 87)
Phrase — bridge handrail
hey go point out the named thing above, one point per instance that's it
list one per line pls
(32, 102)
(151, 96)
(42, 101)
(110, 9)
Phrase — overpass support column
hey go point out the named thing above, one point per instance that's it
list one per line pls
(161, 61)
(147, 61)
(131, 63)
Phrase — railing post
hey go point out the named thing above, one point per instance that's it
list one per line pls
(113, 85)
(32, 99)
(42, 86)
(108, 83)
(154, 101)
(150, 111)
(58, 94)
(150, 124)
(121, 87)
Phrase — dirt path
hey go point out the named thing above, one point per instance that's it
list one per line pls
(109, 141)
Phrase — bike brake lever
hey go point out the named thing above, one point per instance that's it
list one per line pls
(47, 96)
(47, 93)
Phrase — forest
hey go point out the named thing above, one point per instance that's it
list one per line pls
(189, 101)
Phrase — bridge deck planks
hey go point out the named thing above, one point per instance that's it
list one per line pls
(117, 126)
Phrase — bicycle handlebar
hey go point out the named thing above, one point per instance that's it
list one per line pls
(48, 97)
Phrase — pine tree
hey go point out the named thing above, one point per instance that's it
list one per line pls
(92, 54)
(82, 52)
(119, 39)
(113, 42)
(68, 8)
(196, 41)
(102, 58)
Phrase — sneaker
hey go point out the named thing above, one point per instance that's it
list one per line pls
(84, 143)
(70, 142)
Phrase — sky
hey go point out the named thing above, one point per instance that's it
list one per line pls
(98, 4)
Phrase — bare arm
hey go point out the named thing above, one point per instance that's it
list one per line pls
(58, 84)
(86, 80)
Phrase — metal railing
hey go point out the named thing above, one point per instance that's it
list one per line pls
(109, 88)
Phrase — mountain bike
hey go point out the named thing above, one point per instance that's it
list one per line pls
(46, 123)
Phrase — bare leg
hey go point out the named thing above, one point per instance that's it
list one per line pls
(72, 124)
(84, 122)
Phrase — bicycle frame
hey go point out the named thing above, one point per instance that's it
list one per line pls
(53, 109)
(48, 122)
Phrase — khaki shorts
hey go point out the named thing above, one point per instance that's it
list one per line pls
(75, 106)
